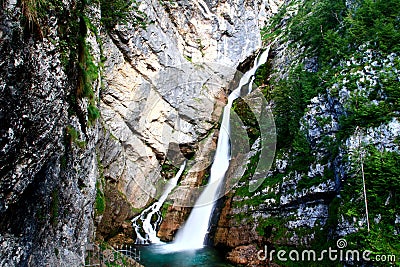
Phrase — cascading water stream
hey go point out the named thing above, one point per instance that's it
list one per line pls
(147, 232)
(261, 59)
(192, 235)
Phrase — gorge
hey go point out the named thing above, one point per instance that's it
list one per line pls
(111, 128)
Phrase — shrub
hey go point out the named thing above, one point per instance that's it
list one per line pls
(115, 12)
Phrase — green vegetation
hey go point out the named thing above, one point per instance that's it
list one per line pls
(333, 33)
(74, 137)
(251, 167)
(247, 117)
(63, 162)
(56, 252)
(30, 10)
(291, 97)
(100, 204)
(73, 26)
(115, 12)
(352, 46)
(89, 73)
(169, 170)
(137, 210)
(382, 182)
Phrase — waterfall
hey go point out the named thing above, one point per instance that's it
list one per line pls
(261, 59)
(192, 235)
(147, 232)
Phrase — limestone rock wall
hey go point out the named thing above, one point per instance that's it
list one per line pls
(47, 177)
(165, 85)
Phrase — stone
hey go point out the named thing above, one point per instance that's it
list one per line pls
(47, 180)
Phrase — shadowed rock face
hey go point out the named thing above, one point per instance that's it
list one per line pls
(47, 183)
(33, 110)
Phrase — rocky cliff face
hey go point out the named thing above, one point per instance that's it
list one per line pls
(313, 193)
(48, 163)
(162, 91)
(165, 86)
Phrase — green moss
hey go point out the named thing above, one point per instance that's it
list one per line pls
(137, 210)
(251, 167)
(93, 113)
(100, 204)
(89, 74)
(247, 117)
(63, 162)
(74, 136)
(271, 227)
(56, 252)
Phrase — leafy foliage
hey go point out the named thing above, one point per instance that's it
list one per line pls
(375, 22)
(115, 12)
(315, 19)
(382, 181)
(333, 30)
(291, 97)
(338, 33)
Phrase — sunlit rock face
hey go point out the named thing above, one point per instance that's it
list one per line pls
(167, 84)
